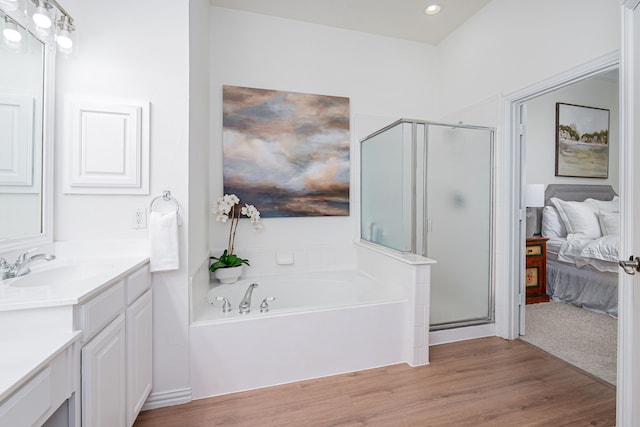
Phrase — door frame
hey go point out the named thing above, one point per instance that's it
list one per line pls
(628, 348)
(510, 305)
(509, 302)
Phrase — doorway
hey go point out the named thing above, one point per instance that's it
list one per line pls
(533, 114)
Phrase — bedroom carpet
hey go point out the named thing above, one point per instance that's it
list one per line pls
(585, 339)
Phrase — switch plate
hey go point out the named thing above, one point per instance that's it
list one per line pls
(139, 218)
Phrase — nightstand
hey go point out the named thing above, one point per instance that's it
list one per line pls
(536, 270)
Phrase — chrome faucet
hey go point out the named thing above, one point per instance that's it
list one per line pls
(245, 304)
(22, 264)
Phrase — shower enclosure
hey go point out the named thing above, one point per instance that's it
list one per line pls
(426, 188)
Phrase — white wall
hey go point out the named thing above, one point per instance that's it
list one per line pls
(381, 77)
(136, 50)
(198, 133)
(511, 44)
(541, 123)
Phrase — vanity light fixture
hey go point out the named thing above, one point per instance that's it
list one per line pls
(41, 16)
(432, 9)
(64, 38)
(10, 31)
(49, 20)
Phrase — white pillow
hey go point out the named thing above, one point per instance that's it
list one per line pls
(606, 205)
(609, 223)
(552, 225)
(579, 217)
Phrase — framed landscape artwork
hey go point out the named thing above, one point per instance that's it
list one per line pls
(287, 153)
(582, 141)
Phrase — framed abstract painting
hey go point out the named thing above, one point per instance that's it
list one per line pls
(287, 153)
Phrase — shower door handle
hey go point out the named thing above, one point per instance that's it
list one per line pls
(631, 266)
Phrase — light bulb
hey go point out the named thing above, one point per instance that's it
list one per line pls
(64, 40)
(432, 10)
(41, 17)
(12, 35)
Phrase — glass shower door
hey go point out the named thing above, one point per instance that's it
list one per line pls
(457, 226)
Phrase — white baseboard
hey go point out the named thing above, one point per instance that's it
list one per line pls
(167, 398)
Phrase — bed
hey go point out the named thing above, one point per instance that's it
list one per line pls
(582, 224)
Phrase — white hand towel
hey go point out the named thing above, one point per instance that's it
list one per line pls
(164, 251)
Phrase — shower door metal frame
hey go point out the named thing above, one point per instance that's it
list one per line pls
(419, 237)
(490, 318)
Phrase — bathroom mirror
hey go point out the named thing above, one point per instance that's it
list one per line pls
(25, 133)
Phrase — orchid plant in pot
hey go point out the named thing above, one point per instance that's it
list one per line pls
(228, 267)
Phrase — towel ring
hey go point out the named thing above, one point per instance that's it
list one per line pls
(166, 196)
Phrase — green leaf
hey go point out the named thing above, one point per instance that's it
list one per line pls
(226, 261)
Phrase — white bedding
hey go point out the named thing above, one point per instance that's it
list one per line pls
(582, 224)
(600, 253)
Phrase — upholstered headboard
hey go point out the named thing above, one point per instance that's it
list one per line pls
(577, 192)
(572, 193)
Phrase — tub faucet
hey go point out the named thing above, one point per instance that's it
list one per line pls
(22, 264)
(245, 304)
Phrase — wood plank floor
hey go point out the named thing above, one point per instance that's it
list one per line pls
(483, 382)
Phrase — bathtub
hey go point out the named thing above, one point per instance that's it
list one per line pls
(319, 324)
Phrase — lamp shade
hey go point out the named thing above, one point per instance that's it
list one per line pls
(534, 196)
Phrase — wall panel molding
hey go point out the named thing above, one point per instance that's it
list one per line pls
(106, 145)
(16, 140)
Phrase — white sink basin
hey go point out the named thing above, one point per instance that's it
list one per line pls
(61, 274)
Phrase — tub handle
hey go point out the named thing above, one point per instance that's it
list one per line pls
(226, 305)
(264, 305)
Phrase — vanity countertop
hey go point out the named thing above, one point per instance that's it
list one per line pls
(29, 337)
(23, 356)
(65, 281)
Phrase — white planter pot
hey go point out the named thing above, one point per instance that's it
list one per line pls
(228, 275)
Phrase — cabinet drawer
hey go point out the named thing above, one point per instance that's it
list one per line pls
(138, 283)
(30, 403)
(534, 250)
(97, 313)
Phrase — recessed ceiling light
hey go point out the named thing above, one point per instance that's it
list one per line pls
(432, 10)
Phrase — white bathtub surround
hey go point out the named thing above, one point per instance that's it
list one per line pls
(320, 324)
(324, 320)
(412, 275)
(297, 292)
(302, 259)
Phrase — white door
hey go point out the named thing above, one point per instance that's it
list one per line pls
(628, 390)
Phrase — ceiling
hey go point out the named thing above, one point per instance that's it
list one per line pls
(402, 19)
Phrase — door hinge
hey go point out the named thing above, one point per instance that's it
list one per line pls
(521, 215)
(521, 299)
(522, 128)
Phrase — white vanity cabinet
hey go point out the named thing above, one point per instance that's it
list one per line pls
(103, 377)
(50, 383)
(139, 330)
(116, 357)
